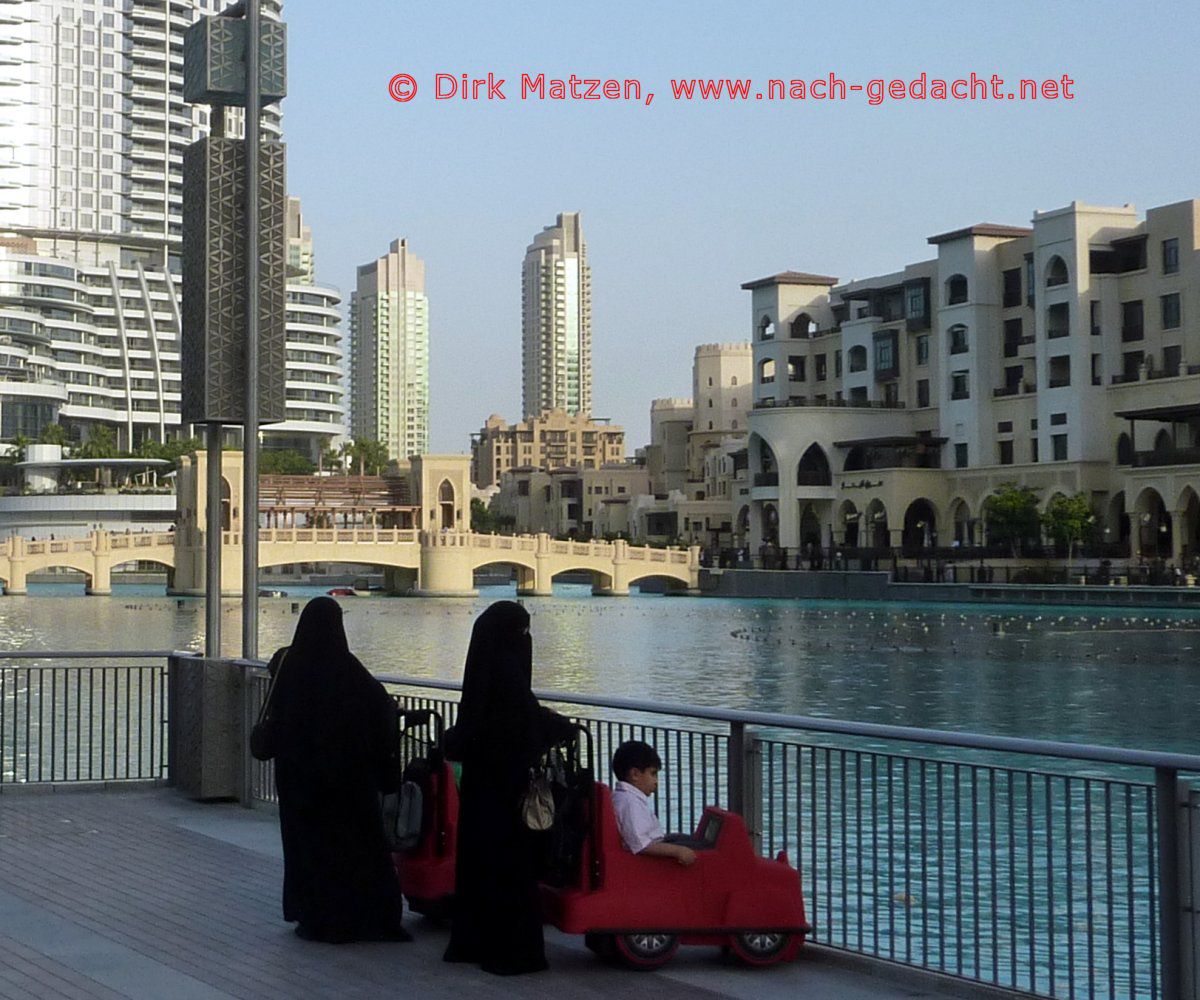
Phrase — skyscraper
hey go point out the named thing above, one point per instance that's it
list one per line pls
(556, 309)
(389, 359)
(91, 217)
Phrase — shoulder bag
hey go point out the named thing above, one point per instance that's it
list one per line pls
(264, 736)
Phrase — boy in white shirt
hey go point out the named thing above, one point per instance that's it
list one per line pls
(636, 766)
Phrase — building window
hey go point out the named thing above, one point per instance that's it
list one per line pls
(821, 368)
(1014, 375)
(959, 388)
(923, 349)
(956, 289)
(1058, 447)
(1170, 311)
(922, 392)
(1095, 317)
(1170, 256)
(1012, 288)
(1033, 449)
(766, 329)
(1058, 419)
(1132, 321)
(1097, 369)
(1060, 371)
(710, 380)
(1172, 359)
(960, 456)
(915, 301)
(766, 371)
(1005, 450)
(837, 364)
(858, 358)
(795, 365)
(1058, 320)
(1029, 281)
(1012, 337)
(1056, 272)
(1131, 365)
(1004, 427)
(958, 339)
(885, 354)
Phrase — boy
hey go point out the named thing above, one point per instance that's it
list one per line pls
(636, 766)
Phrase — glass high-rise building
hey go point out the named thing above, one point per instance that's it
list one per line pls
(556, 309)
(93, 126)
(389, 359)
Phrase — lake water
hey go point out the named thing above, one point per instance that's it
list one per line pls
(1113, 677)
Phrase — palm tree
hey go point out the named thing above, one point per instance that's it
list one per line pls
(19, 445)
(53, 434)
(101, 443)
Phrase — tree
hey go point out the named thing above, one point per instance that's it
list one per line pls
(20, 444)
(370, 455)
(101, 442)
(53, 434)
(1069, 520)
(481, 517)
(284, 463)
(1012, 516)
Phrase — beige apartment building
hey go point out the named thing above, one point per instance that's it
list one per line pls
(584, 503)
(553, 440)
(697, 448)
(1064, 355)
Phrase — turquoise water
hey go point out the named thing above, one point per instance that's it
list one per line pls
(1102, 676)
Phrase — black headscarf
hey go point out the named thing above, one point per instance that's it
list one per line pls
(497, 704)
(319, 679)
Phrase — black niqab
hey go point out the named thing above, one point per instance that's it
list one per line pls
(338, 738)
(500, 733)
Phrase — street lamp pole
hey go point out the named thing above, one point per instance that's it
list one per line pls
(253, 294)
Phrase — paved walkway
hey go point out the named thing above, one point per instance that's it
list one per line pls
(143, 894)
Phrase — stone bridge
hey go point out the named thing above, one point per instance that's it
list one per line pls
(424, 563)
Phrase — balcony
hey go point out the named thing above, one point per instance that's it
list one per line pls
(770, 403)
(1006, 390)
(1166, 456)
(766, 479)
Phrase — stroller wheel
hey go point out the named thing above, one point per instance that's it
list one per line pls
(646, 950)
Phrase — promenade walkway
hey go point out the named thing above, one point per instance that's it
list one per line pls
(143, 894)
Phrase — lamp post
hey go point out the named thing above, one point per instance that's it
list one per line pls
(253, 289)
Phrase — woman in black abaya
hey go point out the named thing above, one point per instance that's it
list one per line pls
(500, 733)
(337, 750)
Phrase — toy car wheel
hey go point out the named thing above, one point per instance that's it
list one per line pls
(762, 947)
(647, 950)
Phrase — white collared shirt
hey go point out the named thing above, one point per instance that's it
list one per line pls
(638, 826)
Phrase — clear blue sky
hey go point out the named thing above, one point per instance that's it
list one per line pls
(682, 202)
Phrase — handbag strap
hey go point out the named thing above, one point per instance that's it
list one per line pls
(265, 706)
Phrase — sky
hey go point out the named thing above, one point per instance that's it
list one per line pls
(684, 201)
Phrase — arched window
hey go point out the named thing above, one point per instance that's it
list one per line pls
(1056, 272)
(735, 402)
(766, 329)
(710, 380)
(813, 469)
(857, 358)
(766, 371)
(734, 382)
(803, 327)
(956, 289)
(710, 403)
(735, 425)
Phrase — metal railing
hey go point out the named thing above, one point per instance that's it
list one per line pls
(1054, 869)
(80, 717)
(942, 851)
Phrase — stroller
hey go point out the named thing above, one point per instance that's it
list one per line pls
(424, 826)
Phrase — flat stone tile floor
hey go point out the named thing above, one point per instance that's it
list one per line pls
(144, 894)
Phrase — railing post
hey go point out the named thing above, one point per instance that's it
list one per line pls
(1166, 800)
(745, 780)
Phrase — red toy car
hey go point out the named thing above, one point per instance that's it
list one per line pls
(639, 910)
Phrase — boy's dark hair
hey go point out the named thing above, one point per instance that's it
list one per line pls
(634, 753)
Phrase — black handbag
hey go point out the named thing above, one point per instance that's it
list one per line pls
(264, 736)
